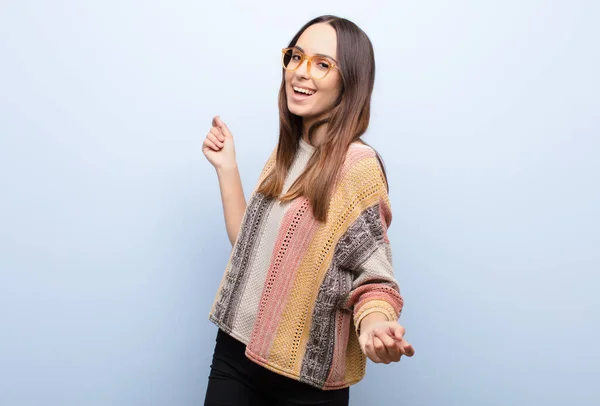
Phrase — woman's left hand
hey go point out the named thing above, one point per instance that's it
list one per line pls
(383, 341)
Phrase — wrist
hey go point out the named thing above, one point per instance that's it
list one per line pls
(226, 169)
(372, 319)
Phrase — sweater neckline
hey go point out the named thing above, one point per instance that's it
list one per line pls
(306, 147)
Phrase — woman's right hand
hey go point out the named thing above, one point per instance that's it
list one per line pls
(218, 146)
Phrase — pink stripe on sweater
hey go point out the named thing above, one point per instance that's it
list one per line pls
(285, 261)
(355, 153)
(284, 265)
(376, 291)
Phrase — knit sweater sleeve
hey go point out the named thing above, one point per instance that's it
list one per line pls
(369, 258)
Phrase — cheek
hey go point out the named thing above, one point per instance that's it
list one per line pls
(288, 77)
(329, 94)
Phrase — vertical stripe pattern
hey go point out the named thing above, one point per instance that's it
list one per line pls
(295, 290)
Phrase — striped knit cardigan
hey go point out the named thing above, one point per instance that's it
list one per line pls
(295, 290)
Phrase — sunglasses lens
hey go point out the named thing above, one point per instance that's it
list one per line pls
(319, 67)
(291, 59)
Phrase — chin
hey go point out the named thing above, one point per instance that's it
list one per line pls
(301, 111)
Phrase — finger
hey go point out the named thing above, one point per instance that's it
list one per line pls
(217, 133)
(408, 349)
(391, 345)
(370, 351)
(223, 127)
(386, 337)
(381, 351)
(215, 140)
(211, 145)
(362, 341)
(398, 332)
(405, 348)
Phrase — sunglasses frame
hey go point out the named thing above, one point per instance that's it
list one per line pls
(305, 57)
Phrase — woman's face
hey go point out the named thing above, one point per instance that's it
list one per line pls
(318, 39)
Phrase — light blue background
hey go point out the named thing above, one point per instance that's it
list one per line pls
(112, 240)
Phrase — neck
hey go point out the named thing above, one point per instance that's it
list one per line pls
(318, 135)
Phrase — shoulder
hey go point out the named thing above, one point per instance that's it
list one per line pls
(359, 151)
(363, 184)
(362, 149)
(362, 162)
(362, 172)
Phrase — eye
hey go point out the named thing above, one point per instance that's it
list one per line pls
(322, 64)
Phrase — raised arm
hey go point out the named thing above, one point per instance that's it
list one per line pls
(219, 149)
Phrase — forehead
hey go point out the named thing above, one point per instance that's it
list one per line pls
(319, 39)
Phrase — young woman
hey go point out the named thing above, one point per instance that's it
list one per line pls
(309, 292)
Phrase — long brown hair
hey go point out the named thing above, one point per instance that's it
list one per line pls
(346, 122)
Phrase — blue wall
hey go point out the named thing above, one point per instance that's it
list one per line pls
(112, 240)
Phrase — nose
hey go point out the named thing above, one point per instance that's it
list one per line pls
(302, 71)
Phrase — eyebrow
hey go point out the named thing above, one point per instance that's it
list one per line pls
(326, 56)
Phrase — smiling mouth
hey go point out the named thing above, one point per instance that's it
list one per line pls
(303, 91)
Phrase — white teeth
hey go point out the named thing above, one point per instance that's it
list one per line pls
(305, 91)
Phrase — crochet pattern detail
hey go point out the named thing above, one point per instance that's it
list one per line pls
(295, 290)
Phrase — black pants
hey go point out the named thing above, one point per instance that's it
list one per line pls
(236, 381)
